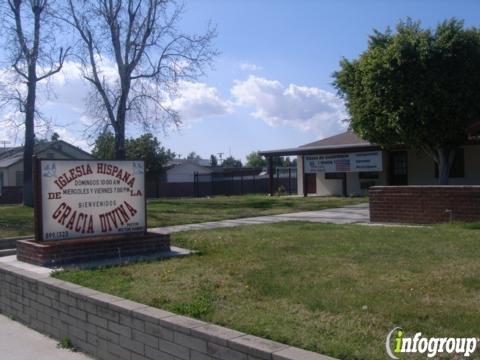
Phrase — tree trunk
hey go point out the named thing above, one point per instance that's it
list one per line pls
(445, 160)
(120, 142)
(29, 141)
(120, 121)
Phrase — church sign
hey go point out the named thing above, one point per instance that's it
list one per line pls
(349, 162)
(86, 198)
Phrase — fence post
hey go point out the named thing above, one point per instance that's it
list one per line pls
(290, 181)
(278, 178)
(195, 184)
(211, 184)
(270, 176)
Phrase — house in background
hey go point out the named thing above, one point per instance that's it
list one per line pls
(196, 177)
(11, 165)
(344, 165)
(183, 170)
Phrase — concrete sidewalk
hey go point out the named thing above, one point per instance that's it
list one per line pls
(18, 342)
(353, 214)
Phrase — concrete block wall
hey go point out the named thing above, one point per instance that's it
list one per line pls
(424, 204)
(109, 327)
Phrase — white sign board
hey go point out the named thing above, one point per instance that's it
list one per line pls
(83, 198)
(352, 162)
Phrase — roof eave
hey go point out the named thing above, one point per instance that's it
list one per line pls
(320, 150)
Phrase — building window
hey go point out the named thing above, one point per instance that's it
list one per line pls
(19, 178)
(368, 175)
(334, 176)
(400, 166)
(457, 170)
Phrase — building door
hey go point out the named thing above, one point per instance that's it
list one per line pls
(311, 180)
(399, 168)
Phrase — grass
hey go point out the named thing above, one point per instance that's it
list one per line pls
(17, 220)
(334, 289)
(66, 343)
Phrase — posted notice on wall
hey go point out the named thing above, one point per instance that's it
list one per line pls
(351, 162)
(91, 198)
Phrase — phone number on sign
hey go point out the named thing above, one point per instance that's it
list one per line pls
(56, 235)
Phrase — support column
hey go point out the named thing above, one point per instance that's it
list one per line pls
(270, 176)
(304, 177)
(344, 184)
(290, 181)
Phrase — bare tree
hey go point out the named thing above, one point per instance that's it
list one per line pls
(34, 56)
(141, 42)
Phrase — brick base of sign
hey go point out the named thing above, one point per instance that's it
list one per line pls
(64, 252)
(424, 204)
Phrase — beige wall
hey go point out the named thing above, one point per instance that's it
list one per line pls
(11, 173)
(326, 187)
(421, 168)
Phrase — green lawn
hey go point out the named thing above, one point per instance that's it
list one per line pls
(334, 289)
(16, 220)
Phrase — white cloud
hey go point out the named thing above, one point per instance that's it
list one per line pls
(198, 101)
(305, 108)
(63, 98)
(72, 138)
(250, 67)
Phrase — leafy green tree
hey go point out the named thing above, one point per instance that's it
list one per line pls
(254, 159)
(213, 161)
(193, 156)
(231, 162)
(146, 147)
(416, 87)
(55, 137)
(287, 162)
(104, 147)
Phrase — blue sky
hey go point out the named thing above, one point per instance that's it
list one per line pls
(271, 86)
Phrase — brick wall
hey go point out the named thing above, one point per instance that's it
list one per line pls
(72, 251)
(424, 204)
(109, 327)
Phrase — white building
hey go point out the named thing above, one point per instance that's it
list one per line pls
(183, 170)
(346, 165)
